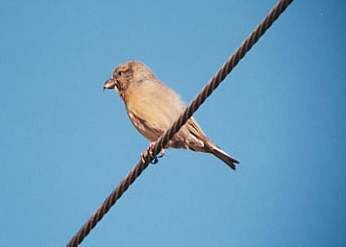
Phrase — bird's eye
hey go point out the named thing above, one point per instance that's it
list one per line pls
(120, 73)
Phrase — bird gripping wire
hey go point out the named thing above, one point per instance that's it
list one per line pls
(152, 151)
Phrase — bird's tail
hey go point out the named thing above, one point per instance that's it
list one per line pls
(222, 155)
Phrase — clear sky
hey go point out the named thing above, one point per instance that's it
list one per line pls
(64, 144)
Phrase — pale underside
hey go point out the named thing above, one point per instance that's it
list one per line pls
(153, 107)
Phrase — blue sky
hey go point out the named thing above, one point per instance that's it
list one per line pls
(65, 144)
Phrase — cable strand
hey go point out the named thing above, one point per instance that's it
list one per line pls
(150, 153)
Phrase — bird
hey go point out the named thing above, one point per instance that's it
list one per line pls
(153, 107)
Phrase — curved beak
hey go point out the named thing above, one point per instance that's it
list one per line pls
(110, 84)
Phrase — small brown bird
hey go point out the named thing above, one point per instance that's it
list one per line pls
(153, 107)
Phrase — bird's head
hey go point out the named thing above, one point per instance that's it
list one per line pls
(127, 74)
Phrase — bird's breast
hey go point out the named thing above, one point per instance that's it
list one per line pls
(152, 107)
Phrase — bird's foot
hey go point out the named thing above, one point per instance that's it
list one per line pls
(161, 154)
(157, 157)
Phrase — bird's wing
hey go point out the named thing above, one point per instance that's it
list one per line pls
(195, 129)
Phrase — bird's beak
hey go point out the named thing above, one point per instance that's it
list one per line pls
(110, 84)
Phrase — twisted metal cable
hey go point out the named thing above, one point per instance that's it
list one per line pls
(151, 152)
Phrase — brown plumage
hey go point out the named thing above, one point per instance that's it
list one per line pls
(153, 107)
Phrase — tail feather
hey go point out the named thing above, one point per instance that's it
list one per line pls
(222, 155)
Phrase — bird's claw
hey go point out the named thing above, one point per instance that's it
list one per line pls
(161, 154)
(157, 157)
(154, 161)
